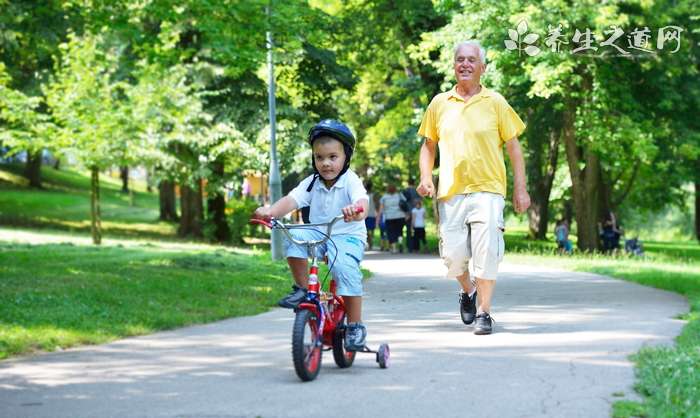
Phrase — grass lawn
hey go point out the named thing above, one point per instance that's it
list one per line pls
(64, 204)
(61, 295)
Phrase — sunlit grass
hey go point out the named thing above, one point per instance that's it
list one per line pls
(13, 179)
(64, 204)
(61, 295)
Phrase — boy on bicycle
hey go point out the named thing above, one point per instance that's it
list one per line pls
(331, 190)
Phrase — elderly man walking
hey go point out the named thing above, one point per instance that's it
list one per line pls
(470, 124)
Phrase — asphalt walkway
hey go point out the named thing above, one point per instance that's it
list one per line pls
(560, 349)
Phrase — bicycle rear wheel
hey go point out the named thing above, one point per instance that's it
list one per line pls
(306, 353)
(342, 357)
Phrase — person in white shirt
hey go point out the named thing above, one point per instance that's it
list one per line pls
(371, 219)
(331, 190)
(394, 216)
(418, 219)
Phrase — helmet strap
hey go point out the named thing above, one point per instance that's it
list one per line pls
(311, 185)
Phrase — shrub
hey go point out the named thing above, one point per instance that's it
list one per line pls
(238, 213)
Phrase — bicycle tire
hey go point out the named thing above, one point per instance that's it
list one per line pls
(342, 357)
(306, 354)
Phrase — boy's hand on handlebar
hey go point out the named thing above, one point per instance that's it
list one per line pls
(263, 212)
(352, 213)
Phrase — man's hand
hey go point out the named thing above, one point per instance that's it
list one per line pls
(425, 163)
(521, 200)
(426, 188)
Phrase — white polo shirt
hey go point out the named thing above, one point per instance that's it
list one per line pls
(325, 204)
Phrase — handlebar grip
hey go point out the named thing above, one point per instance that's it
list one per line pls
(262, 221)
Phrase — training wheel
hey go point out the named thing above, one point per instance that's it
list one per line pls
(383, 356)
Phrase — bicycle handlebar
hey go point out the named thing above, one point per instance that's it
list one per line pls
(273, 223)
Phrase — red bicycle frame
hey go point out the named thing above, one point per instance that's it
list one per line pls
(329, 308)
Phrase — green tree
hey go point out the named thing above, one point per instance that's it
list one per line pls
(598, 98)
(224, 45)
(31, 33)
(23, 126)
(93, 116)
(393, 85)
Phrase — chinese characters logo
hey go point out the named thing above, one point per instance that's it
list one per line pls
(614, 40)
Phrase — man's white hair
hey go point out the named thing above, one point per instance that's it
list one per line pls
(482, 51)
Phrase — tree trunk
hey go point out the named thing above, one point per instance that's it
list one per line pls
(216, 206)
(605, 207)
(538, 213)
(568, 212)
(95, 217)
(32, 170)
(697, 206)
(185, 210)
(191, 211)
(166, 196)
(585, 184)
(124, 175)
(149, 181)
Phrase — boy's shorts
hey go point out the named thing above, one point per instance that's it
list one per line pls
(371, 222)
(471, 234)
(345, 267)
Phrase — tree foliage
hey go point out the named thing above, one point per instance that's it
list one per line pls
(604, 100)
(182, 88)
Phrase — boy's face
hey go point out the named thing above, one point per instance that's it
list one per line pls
(329, 157)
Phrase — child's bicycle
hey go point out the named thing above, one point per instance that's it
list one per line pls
(319, 324)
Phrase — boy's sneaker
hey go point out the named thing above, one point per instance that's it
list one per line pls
(467, 307)
(293, 299)
(484, 324)
(355, 336)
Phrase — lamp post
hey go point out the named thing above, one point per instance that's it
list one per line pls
(275, 180)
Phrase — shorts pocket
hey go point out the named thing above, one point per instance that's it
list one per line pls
(501, 242)
(500, 223)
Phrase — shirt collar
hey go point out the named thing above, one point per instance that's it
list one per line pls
(482, 94)
(338, 184)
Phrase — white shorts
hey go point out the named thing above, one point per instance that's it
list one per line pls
(471, 234)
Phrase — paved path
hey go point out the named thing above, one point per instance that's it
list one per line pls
(560, 350)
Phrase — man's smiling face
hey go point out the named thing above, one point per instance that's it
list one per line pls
(468, 65)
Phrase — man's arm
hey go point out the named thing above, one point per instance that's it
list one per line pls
(521, 199)
(425, 163)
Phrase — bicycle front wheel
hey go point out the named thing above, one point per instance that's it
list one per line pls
(306, 353)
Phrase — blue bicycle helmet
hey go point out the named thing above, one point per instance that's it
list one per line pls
(334, 129)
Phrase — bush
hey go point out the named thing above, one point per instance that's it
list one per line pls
(239, 212)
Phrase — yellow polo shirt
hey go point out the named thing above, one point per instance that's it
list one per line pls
(470, 137)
